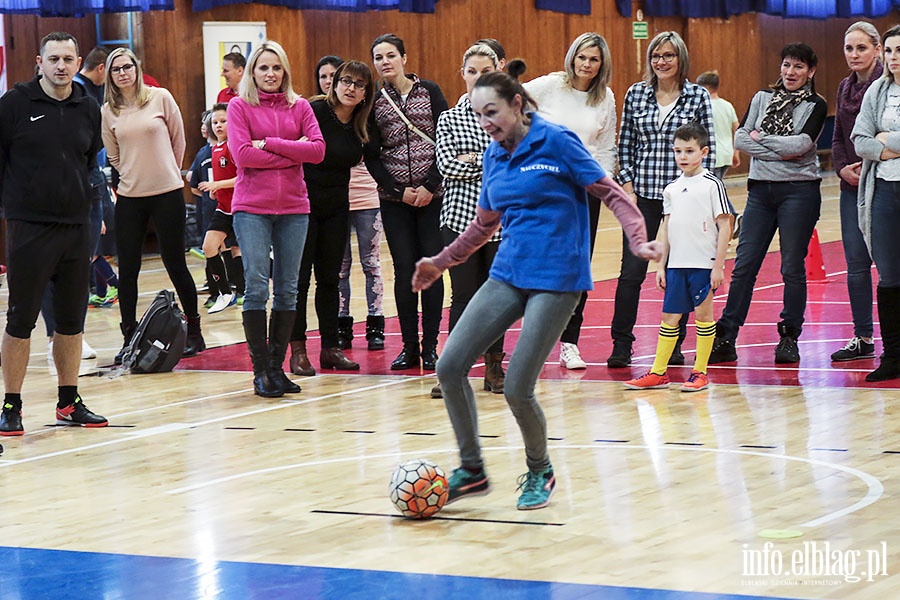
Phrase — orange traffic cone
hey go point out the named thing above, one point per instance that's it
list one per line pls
(815, 268)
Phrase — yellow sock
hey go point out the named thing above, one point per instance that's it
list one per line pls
(706, 334)
(668, 339)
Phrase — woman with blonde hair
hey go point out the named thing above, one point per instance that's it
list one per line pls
(272, 132)
(579, 98)
(144, 137)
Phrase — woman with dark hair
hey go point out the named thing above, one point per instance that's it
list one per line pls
(579, 98)
(876, 138)
(654, 108)
(144, 138)
(343, 116)
(273, 132)
(779, 132)
(402, 160)
(325, 70)
(862, 50)
(535, 176)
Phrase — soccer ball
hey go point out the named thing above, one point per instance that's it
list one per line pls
(419, 489)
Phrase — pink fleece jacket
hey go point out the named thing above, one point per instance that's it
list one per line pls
(270, 181)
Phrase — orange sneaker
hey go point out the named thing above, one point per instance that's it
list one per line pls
(650, 381)
(696, 382)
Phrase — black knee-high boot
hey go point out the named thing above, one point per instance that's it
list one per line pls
(255, 323)
(280, 327)
(889, 316)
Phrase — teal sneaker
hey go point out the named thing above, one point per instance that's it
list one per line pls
(463, 483)
(537, 487)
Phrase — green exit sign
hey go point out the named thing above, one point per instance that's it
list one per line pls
(639, 30)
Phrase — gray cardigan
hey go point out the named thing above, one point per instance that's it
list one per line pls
(773, 156)
(868, 125)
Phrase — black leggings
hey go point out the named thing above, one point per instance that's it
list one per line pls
(412, 233)
(167, 213)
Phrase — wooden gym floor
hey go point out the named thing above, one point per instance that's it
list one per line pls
(775, 483)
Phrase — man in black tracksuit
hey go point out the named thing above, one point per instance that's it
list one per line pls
(49, 139)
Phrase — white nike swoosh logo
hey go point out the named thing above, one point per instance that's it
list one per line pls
(33, 119)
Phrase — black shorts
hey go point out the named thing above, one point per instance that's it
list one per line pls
(224, 223)
(37, 253)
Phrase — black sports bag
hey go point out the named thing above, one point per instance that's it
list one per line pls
(158, 341)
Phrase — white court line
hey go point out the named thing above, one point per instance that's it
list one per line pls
(874, 492)
(140, 433)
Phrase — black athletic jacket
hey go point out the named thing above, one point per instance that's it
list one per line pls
(48, 148)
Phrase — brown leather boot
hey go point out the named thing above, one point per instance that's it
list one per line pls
(300, 364)
(494, 377)
(333, 358)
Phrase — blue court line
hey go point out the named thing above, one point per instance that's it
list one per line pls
(38, 574)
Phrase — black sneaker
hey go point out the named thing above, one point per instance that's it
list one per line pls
(786, 351)
(722, 351)
(620, 357)
(677, 358)
(11, 420)
(79, 414)
(855, 349)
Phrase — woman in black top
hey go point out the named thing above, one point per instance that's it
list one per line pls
(342, 117)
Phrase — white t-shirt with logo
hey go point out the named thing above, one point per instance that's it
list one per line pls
(692, 204)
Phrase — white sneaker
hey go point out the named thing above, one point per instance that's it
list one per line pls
(86, 350)
(223, 302)
(570, 357)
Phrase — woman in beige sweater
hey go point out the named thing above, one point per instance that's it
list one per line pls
(144, 137)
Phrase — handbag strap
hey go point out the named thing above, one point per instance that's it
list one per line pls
(405, 119)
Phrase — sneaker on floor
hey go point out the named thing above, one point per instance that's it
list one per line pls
(112, 296)
(210, 301)
(570, 357)
(537, 487)
(79, 414)
(648, 381)
(696, 382)
(786, 352)
(11, 420)
(722, 351)
(86, 351)
(197, 253)
(96, 301)
(437, 392)
(223, 302)
(677, 358)
(855, 349)
(240, 299)
(620, 357)
(463, 483)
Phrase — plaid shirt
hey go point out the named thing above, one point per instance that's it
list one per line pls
(645, 147)
(458, 132)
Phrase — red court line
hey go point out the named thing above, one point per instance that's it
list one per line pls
(828, 326)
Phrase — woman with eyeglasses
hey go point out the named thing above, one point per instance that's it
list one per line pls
(779, 132)
(579, 98)
(402, 160)
(144, 138)
(342, 115)
(654, 108)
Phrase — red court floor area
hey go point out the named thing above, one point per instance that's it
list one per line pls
(828, 326)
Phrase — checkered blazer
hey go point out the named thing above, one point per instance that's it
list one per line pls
(458, 133)
(645, 147)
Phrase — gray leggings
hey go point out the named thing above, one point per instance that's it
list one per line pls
(493, 309)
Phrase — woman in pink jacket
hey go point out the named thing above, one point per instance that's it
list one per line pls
(271, 131)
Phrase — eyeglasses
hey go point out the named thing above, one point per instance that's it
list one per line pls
(667, 57)
(122, 69)
(360, 85)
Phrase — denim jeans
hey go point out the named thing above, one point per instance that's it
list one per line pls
(285, 236)
(792, 209)
(885, 228)
(493, 309)
(859, 266)
(367, 224)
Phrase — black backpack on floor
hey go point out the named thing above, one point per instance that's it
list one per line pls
(158, 341)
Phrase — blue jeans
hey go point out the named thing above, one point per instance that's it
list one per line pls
(285, 236)
(792, 209)
(367, 224)
(885, 228)
(859, 266)
(493, 309)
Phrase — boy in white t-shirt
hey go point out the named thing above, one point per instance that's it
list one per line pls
(694, 233)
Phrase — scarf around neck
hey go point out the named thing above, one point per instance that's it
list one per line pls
(779, 117)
